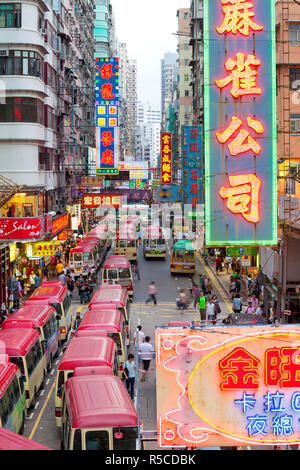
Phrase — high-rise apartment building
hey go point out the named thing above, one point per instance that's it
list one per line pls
(197, 59)
(132, 101)
(103, 28)
(168, 85)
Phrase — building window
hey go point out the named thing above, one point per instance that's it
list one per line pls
(293, 174)
(22, 63)
(295, 123)
(186, 93)
(294, 32)
(10, 15)
(22, 110)
(294, 78)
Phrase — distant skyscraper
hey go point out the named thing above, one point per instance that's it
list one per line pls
(168, 83)
(149, 125)
(132, 107)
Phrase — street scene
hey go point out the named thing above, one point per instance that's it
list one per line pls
(149, 228)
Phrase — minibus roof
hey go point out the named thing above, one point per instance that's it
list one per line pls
(116, 261)
(109, 293)
(36, 315)
(18, 341)
(51, 291)
(102, 319)
(88, 351)
(99, 401)
(84, 247)
(11, 441)
(7, 373)
(184, 245)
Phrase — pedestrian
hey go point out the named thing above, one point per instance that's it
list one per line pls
(190, 285)
(146, 353)
(77, 321)
(129, 373)
(259, 310)
(67, 255)
(139, 336)
(208, 287)
(152, 291)
(237, 304)
(232, 287)
(136, 269)
(211, 311)
(250, 308)
(204, 284)
(202, 306)
(59, 267)
(79, 283)
(216, 302)
(182, 301)
(254, 301)
(70, 285)
(218, 262)
(196, 295)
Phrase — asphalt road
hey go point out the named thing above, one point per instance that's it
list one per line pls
(40, 423)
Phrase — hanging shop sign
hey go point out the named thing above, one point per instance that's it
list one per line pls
(166, 156)
(192, 165)
(228, 386)
(240, 123)
(92, 181)
(22, 228)
(98, 200)
(38, 250)
(60, 224)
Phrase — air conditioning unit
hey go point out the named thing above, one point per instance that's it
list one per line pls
(4, 52)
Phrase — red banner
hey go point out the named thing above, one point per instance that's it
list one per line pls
(97, 200)
(166, 158)
(22, 228)
(60, 223)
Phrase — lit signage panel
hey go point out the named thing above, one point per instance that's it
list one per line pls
(218, 389)
(166, 157)
(192, 165)
(107, 150)
(240, 122)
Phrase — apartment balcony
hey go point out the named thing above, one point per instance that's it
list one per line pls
(289, 211)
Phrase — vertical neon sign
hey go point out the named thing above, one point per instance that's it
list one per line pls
(240, 122)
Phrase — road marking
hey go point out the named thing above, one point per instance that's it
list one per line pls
(30, 417)
(36, 405)
(42, 411)
(42, 392)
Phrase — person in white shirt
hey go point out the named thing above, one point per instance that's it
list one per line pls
(140, 335)
(146, 352)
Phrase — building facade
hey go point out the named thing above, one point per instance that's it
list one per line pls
(168, 85)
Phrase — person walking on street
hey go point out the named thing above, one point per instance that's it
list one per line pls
(208, 287)
(152, 291)
(139, 336)
(190, 286)
(136, 269)
(237, 304)
(196, 295)
(59, 268)
(202, 306)
(146, 353)
(211, 310)
(216, 302)
(129, 372)
(70, 286)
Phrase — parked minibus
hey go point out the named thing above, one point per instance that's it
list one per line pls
(12, 397)
(112, 322)
(126, 242)
(98, 414)
(43, 318)
(183, 259)
(109, 295)
(83, 352)
(12, 441)
(55, 294)
(154, 243)
(25, 349)
(117, 270)
(84, 257)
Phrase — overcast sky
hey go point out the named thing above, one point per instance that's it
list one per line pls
(146, 26)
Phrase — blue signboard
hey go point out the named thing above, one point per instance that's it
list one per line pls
(107, 142)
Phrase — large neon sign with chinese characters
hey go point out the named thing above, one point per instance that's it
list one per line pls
(107, 115)
(240, 122)
(192, 165)
(218, 389)
(166, 157)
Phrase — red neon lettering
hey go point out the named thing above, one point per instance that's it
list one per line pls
(240, 371)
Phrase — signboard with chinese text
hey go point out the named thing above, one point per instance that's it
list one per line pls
(228, 386)
(103, 200)
(240, 122)
(192, 165)
(38, 250)
(92, 181)
(107, 150)
(137, 170)
(166, 157)
(60, 223)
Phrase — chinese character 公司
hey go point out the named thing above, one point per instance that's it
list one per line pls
(243, 196)
(243, 76)
(240, 371)
(238, 18)
(243, 142)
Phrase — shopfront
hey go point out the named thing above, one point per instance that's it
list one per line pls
(247, 258)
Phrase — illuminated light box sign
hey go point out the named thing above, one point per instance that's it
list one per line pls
(240, 122)
(97, 200)
(107, 150)
(216, 389)
(166, 157)
(107, 81)
(192, 165)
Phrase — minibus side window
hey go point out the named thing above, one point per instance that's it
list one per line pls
(116, 338)
(19, 362)
(60, 382)
(116, 367)
(67, 430)
(124, 273)
(33, 358)
(47, 330)
(104, 274)
(128, 441)
(97, 440)
(4, 408)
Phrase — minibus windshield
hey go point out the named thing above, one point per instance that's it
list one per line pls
(112, 274)
(124, 273)
(19, 362)
(57, 308)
